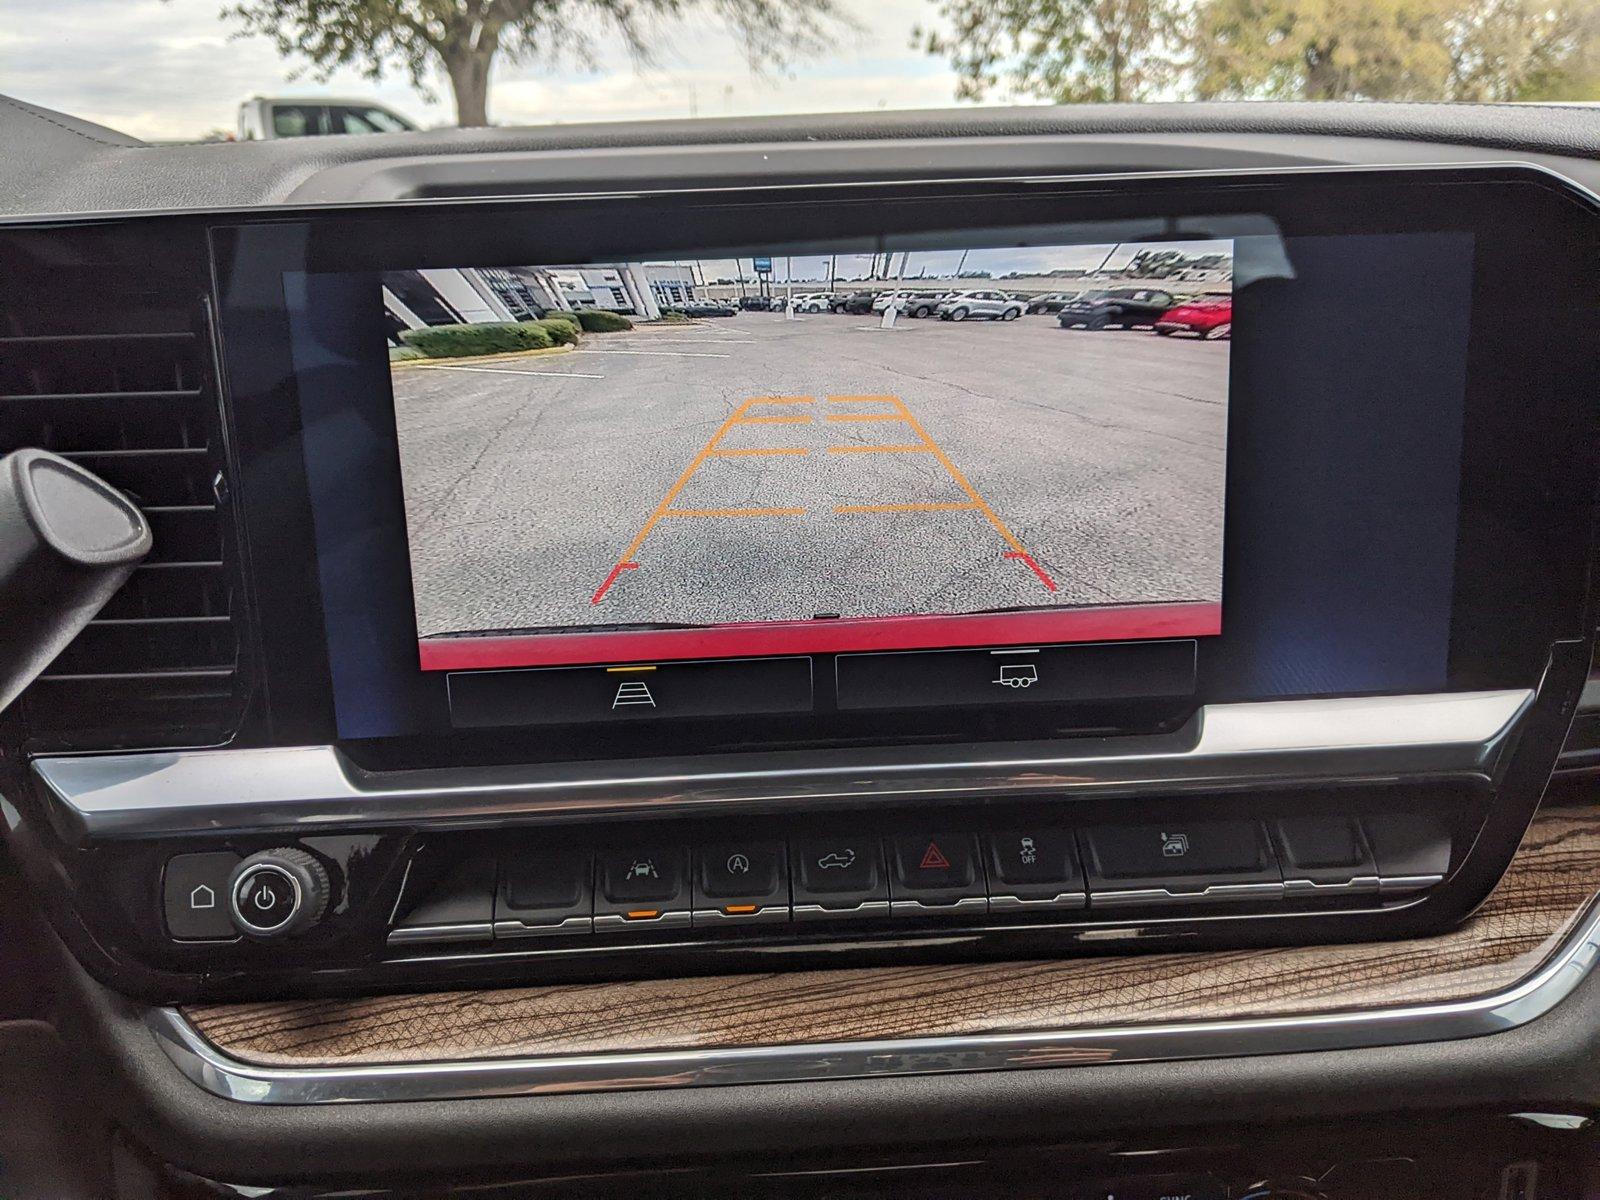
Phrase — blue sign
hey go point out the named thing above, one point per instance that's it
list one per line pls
(763, 266)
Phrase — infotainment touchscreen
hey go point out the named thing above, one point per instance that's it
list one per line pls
(981, 445)
(898, 464)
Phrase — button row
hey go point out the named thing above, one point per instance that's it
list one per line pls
(647, 884)
(1058, 674)
(656, 885)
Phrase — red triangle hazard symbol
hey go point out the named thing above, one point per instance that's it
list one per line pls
(933, 858)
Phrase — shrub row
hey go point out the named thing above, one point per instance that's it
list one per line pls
(597, 320)
(468, 341)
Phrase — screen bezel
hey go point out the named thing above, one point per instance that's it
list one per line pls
(1526, 517)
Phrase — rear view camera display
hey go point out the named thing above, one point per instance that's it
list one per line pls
(702, 458)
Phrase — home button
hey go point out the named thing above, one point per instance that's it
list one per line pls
(194, 895)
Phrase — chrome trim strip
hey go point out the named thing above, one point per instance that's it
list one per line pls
(823, 912)
(768, 913)
(222, 1075)
(671, 919)
(1393, 884)
(413, 935)
(1391, 738)
(1310, 887)
(511, 928)
(1215, 892)
(961, 907)
(1024, 904)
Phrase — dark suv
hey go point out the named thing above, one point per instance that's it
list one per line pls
(1122, 307)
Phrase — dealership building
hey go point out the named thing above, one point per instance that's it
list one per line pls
(474, 295)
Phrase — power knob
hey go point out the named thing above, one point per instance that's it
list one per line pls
(277, 893)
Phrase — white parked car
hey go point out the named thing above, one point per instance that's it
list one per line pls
(813, 302)
(264, 118)
(995, 305)
(912, 303)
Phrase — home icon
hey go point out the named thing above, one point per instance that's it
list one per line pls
(202, 897)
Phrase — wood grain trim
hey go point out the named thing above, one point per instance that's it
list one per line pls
(1551, 881)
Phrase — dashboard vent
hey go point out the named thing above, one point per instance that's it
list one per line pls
(123, 384)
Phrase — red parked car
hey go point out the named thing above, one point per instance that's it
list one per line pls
(1210, 317)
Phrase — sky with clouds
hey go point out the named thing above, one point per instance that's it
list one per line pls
(173, 69)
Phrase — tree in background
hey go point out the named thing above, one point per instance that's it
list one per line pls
(464, 37)
(1068, 51)
(1086, 50)
(1323, 49)
(1525, 50)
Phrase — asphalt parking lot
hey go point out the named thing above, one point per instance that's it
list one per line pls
(755, 468)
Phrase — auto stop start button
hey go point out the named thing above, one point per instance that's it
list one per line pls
(265, 899)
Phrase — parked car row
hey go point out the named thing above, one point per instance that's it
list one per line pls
(1209, 317)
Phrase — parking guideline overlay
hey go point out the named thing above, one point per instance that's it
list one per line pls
(742, 415)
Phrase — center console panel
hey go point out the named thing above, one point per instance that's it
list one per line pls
(1318, 666)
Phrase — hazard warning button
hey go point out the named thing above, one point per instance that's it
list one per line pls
(935, 874)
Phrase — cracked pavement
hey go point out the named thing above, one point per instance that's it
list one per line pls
(1101, 452)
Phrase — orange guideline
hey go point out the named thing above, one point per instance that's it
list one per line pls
(899, 413)
(665, 510)
(927, 444)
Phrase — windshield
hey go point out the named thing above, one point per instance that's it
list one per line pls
(189, 70)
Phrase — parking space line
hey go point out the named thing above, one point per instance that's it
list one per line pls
(610, 579)
(709, 450)
(1018, 549)
(626, 563)
(654, 353)
(507, 371)
(742, 415)
(930, 506)
(1027, 560)
(734, 512)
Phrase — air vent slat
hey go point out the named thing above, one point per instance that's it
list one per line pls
(66, 397)
(152, 621)
(63, 339)
(167, 646)
(128, 394)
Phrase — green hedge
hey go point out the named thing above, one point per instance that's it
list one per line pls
(466, 341)
(563, 330)
(597, 320)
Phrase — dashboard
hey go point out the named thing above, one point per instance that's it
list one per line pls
(1130, 568)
